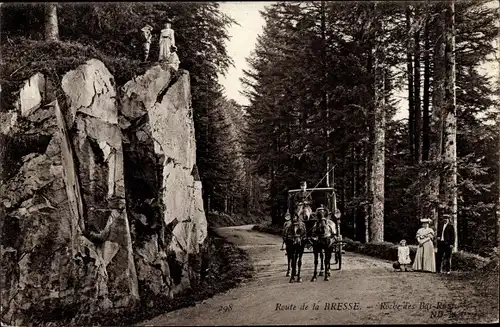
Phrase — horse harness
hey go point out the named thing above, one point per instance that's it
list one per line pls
(330, 228)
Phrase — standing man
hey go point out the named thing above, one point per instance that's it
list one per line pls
(146, 32)
(445, 242)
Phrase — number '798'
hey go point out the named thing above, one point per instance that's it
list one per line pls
(225, 308)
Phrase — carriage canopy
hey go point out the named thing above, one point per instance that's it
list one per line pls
(319, 196)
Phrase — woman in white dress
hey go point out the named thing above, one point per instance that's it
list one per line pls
(167, 40)
(425, 259)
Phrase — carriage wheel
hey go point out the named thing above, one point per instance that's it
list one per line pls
(335, 256)
(339, 256)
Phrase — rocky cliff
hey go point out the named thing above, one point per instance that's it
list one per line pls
(100, 200)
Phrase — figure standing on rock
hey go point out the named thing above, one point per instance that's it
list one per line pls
(146, 30)
(167, 40)
(173, 60)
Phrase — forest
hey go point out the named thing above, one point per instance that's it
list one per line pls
(323, 84)
(112, 32)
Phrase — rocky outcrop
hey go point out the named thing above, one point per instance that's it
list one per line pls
(100, 205)
(164, 196)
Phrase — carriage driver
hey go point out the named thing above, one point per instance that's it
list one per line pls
(305, 199)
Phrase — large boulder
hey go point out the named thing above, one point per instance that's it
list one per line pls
(163, 195)
(100, 205)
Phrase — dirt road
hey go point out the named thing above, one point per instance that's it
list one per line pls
(365, 291)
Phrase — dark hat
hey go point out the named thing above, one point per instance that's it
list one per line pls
(396, 265)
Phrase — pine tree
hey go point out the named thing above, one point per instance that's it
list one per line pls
(497, 213)
(450, 124)
(409, 69)
(114, 30)
(378, 159)
(426, 97)
(417, 83)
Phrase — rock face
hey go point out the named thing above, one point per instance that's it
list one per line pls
(164, 196)
(100, 202)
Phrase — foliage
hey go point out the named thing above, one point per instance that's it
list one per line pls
(311, 86)
(312, 73)
(111, 32)
(53, 59)
(460, 261)
(220, 219)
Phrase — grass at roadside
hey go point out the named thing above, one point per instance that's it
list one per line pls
(462, 261)
(483, 304)
(219, 219)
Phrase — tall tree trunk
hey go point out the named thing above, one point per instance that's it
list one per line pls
(417, 103)
(367, 182)
(325, 99)
(343, 192)
(378, 160)
(354, 172)
(426, 123)
(450, 122)
(409, 68)
(367, 206)
(498, 172)
(249, 192)
(498, 129)
(369, 129)
(274, 207)
(436, 122)
(51, 26)
(226, 203)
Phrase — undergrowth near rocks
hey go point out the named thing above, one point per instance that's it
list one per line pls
(22, 58)
(218, 219)
(223, 265)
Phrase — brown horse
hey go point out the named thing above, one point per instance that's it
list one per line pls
(324, 234)
(293, 235)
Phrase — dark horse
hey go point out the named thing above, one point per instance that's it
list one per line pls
(324, 235)
(293, 235)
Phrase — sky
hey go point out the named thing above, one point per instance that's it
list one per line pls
(244, 37)
(242, 42)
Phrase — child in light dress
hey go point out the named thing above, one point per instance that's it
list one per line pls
(403, 255)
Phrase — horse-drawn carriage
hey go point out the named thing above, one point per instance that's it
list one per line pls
(312, 231)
